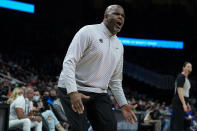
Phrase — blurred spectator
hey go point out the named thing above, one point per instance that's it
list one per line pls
(3, 92)
(21, 113)
(46, 113)
(187, 120)
(15, 93)
(167, 117)
(194, 123)
(58, 108)
(153, 116)
(53, 94)
(46, 93)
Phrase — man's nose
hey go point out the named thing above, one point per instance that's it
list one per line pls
(120, 16)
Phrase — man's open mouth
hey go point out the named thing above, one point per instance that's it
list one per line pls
(119, 24)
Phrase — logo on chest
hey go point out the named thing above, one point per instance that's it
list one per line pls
(101, 40)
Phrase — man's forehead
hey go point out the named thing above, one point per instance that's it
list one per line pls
(112, 8)
(36, 92)
(30, 90)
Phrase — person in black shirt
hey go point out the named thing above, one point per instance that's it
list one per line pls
(180, 103)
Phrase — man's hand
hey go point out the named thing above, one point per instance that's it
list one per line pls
(76, 101)
(33, 110)
(128, 113)
(38, 118)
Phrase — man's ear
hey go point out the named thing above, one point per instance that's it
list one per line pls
(105, 16)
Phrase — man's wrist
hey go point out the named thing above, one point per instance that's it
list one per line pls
(71, 90)
(72, 93)
(123, 106)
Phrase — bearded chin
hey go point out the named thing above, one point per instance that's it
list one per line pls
(116, 30)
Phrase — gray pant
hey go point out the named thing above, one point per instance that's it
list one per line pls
(26, 124)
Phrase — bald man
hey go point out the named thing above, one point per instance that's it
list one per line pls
(94, 62)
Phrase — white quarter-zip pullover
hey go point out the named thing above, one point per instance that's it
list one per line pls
(94, 62)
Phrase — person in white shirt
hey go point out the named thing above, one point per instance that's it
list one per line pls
(94, 62)
(21, 113)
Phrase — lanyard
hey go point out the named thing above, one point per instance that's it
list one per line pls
(26, 107)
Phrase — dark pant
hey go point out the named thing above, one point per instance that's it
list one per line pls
(97, 109)
(177, 120)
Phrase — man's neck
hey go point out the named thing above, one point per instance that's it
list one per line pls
(106, 24)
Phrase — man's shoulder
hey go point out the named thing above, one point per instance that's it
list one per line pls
(89, 27)
(88, 30)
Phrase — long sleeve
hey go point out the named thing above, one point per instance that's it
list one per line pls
(116, 84)
(91, 61)
(76, 50)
